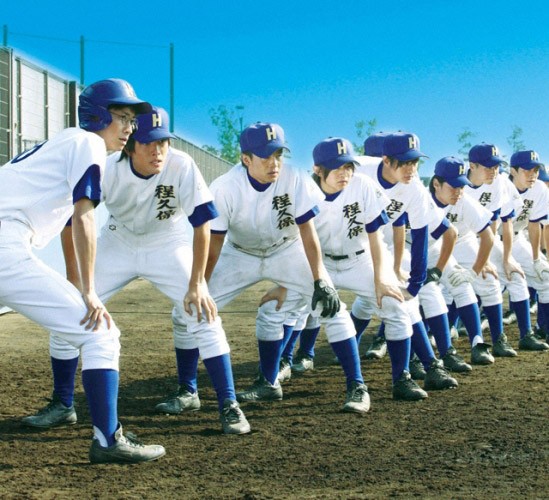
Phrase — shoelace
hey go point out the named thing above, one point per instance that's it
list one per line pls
(232, 413)
(132, 440)
(358, 394)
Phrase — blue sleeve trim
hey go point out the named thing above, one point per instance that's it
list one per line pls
(402, 220)
(418, 249)
(510, 215)
(379, 221)
(307, 216)
(543, 217)
(213, 231)
(496, 214)
(487, 225)
(89, 186)
(440, 230)
(203, 213)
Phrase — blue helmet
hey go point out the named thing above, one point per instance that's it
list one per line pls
(96, 98)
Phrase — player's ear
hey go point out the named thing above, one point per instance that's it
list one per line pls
(246, 160)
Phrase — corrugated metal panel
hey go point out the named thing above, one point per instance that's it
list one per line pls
(5, 105)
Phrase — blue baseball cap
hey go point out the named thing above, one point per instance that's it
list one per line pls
(262, 139)
(525, 159)
(402, 146)
(153, 126)
(373, 145)
(486, 155)
(452, 170)
(333, 153)
(543, 174)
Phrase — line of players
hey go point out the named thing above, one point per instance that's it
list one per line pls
(455, 246)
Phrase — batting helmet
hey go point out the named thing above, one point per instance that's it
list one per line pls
(96, 98)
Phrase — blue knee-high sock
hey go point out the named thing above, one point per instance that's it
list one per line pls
(470, 317)
(187, 367)
(64, 373)
(522, 311)
(221, 374)
(421, 345)
(360, 326)
(399, 353)
(495, 320)
(440, 328)
(101, 388)
(347, 353)
(543, 318)
(453, 315)
(290, 340)
(533, 294)
(381, 330)
(269, 358)
(307, 341)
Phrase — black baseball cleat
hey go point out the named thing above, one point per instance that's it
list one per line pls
(54, 414)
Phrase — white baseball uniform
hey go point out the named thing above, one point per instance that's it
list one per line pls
(36, 200)
(146, 236)
(263, 243)
(501, 199)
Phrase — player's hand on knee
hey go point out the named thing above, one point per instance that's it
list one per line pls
(96, 312)
(387, 290)
(198, 300)
(489, 268)
(510, 267)
(541, 266)
(460, 275)
(433, 275)
(328, 297)
(277, 293)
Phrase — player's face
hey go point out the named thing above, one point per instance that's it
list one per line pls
(337, 179)
(525, 179)
(447, 194)
(479, 174)
(149, 159)
(395, 171)
(117, 133)
(264, 170)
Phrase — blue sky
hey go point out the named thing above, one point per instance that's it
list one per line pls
(316, 68)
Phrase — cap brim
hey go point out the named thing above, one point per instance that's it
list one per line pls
(339, 162)
(152, 135)
(269, 149)
(413, 154)
(459, 181)
(491, 162)
(530, 165)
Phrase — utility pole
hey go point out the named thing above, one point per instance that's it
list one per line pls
(172, 88)
(82, 60)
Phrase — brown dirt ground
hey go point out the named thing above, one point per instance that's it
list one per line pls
(487, 439)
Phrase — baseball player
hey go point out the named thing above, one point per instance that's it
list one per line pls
(349, 231)
(39, 191)
(396, 175)
(525, 166)
(148, 190)
(266, 212)
(497, 193)
(441, 241)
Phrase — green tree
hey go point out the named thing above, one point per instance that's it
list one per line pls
(464, 141)
(228, 122)
(363, 129)
(515, 139)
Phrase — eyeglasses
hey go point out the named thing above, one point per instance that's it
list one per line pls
(125, 120)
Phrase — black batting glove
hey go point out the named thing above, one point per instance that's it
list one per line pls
(433, 274)
(328, 297)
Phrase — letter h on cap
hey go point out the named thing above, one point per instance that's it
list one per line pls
(156, 120)
(412, 143)
(271, 133)
(341, 148)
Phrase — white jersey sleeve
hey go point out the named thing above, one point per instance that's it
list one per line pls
(535, 204)
(468, 216)
(36, 187)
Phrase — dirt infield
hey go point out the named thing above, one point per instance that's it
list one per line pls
(487, 439)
